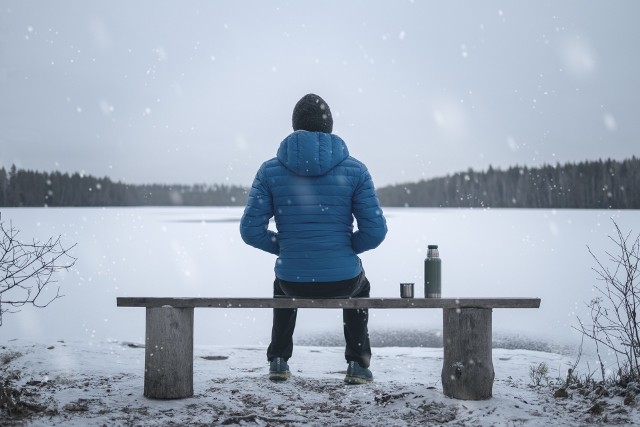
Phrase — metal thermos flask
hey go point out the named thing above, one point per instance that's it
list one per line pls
(432, 274)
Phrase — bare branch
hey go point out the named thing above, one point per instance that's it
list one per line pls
(27, 270)
(614, 315)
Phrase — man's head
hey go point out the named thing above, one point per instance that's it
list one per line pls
(312, 114)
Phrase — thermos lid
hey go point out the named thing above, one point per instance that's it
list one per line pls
(433, 246)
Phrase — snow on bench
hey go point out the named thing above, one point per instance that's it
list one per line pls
(467, 370)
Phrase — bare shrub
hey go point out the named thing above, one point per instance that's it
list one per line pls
(613, 314)
(539, 374)
(27, 270)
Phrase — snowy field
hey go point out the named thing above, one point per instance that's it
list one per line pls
(100, 384)
(92, 372)
(198, 252)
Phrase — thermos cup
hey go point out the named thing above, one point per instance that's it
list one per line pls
(406, 290)
(432, 274)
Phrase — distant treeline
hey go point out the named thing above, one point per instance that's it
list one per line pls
(29, 188)
(607, 184)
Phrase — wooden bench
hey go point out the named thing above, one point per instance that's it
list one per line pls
(467, 370)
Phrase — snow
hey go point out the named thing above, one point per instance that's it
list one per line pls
(610, 122)
(80, 384)
(198, 252)
(146, 252)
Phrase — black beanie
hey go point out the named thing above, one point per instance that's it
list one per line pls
(312, 114)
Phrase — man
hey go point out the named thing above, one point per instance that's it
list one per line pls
(314, 189)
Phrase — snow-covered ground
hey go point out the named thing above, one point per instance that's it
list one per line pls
(81, 384)
(198, 252)
(73, 360)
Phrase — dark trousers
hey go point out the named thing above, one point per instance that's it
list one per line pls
(355, 321)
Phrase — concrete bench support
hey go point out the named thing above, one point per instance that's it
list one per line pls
(168, 357)
(467, 369)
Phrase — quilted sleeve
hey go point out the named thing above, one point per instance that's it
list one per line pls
(255, 220)
(372, 226)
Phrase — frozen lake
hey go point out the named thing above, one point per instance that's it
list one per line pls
(198, 252)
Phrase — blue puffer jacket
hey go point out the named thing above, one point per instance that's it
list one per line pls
(314, 189)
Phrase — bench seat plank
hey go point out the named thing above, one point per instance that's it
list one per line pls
(330, 303)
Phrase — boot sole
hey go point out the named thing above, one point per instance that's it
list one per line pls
(357, 380)
(279, 376)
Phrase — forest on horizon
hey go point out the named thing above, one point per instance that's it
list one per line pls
(601, 184)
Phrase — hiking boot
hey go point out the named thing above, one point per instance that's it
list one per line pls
(356, 374)
(278, 370)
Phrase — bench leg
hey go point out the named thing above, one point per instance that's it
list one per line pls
(168, 362)
(467, 370)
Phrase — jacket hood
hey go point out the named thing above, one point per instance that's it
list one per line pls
(312, 153)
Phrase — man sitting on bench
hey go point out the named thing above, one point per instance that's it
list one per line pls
(314, 189)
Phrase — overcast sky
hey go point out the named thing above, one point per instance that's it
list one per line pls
(202, 91)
